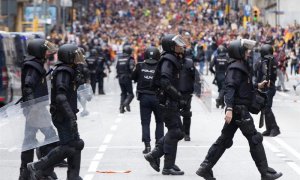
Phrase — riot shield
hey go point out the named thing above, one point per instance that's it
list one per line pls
(206, 95)
(27, 125)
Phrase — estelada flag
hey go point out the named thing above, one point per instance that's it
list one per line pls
(189, 2)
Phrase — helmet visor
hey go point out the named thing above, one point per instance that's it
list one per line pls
(248, 44)
(51, 48)
(79, 57)
(179, 41)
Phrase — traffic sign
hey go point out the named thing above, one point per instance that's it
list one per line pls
(247, 10)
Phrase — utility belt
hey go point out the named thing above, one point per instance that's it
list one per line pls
(139, 93)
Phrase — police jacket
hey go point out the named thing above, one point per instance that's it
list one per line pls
(220, 63)
(143, 74)
(187, 77)
(166, 77)
(239, 89)
(266, 70)
(92, 63)
(33, 80)
(125, 65)
(64, 92)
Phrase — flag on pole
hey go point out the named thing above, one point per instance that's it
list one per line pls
(189, 2)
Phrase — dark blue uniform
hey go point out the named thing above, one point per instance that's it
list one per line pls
(102, 62)
(34, 85)
(125, 67)
(143, 75)
(267, 70)
(186, 87)
(92, 63)
(220, 63)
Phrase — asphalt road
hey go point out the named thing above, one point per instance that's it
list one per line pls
(113, 142)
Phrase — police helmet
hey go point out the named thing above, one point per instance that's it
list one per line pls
(170, 41)
(237, 48)
(127, 50)
(221, 50)
(40, 47)
(152, 53)
(94, 52)
(71, 54)
(266, 49)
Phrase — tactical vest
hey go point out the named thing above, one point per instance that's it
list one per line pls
(123, 66)
(187, 77)
(71, 87)
(147, 71)
(41, 88)
(245, 91)
(221, 64)
(92, 64)
(176, 72)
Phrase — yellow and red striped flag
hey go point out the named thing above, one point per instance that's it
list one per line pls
(189, 2)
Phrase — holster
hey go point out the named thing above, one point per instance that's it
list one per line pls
(240, 111)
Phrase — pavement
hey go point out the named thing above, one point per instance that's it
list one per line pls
(113, 147)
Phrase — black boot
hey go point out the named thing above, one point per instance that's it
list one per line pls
(128, 108)
(266, 133)
(147, 148)
(206, 172)
(169, 167)
(187, 137)
(271, 174)
(74, 166)
(24, 174)
(274, 132)
(154, 162)
(122, 110)
(172, 171)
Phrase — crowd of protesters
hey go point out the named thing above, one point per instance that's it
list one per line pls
(205, 24)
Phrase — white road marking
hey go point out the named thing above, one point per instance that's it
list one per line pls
(102, 148)
(281, 155)
(88, 177)
(114, 128)
(107, 138)
(294, 166)
(271, 147)
(118, 120)
(287, 147)
(98, 157)
(93, 166)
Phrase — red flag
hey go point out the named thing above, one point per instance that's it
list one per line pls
(189, 2)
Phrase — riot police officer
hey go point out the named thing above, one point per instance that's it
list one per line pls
(125, 67)
(34, 85)
(239, 102)
(187, 79)
(63, 109)
(267, 70)
(143, 74)
(92, 63)
(103, 61)
(166, 81)
(220, 62)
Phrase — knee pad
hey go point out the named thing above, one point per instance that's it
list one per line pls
(224, 141)
(176, 133)
(78, 144)
(257, 138)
